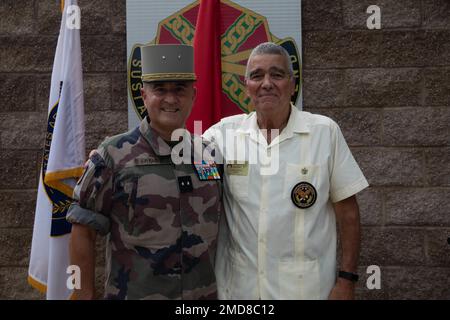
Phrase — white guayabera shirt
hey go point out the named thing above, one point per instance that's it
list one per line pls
(269, 248)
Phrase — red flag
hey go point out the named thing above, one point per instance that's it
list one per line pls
(207, 51)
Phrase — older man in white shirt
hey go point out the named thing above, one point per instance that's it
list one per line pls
(289, 176)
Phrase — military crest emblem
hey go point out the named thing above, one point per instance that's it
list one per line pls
(304, 195)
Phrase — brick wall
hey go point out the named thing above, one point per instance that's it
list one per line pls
(28, 37)
(388, 89)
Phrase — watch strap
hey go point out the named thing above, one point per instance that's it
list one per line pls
(348, 275)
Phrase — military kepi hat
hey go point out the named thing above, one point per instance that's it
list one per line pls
(167, 62)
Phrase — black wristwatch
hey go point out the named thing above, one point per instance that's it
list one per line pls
(353, 277)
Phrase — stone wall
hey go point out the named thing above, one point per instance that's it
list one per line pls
(388, 89)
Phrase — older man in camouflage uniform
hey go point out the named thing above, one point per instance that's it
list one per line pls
(160, 217)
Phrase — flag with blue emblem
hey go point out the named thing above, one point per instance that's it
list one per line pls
(62, 164)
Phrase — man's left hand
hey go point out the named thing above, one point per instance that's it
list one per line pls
(343, 290)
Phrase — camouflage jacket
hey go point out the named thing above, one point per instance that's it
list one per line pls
(161, 239)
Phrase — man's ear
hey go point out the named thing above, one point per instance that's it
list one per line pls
(246, 87)
(292, 85)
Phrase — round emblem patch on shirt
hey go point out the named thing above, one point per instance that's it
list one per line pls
(304, 195)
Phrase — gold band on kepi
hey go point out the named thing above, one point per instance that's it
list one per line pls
(167, 77)
(167, 62)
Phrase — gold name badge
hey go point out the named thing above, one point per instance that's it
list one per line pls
(237, 169)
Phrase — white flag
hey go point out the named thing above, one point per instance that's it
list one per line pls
(64, 155)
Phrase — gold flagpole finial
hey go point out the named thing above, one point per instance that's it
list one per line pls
(62, 6)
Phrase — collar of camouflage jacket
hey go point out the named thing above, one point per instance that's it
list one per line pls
(158, 144)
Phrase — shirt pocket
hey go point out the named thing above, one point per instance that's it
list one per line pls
(238, 186)
(299, 280)
(147, 203)
(296, 173)
(206, 205)
(124, 202)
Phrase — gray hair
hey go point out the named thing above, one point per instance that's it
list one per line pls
(270, 48)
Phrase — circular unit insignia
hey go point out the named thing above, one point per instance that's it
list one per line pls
(304, 195)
